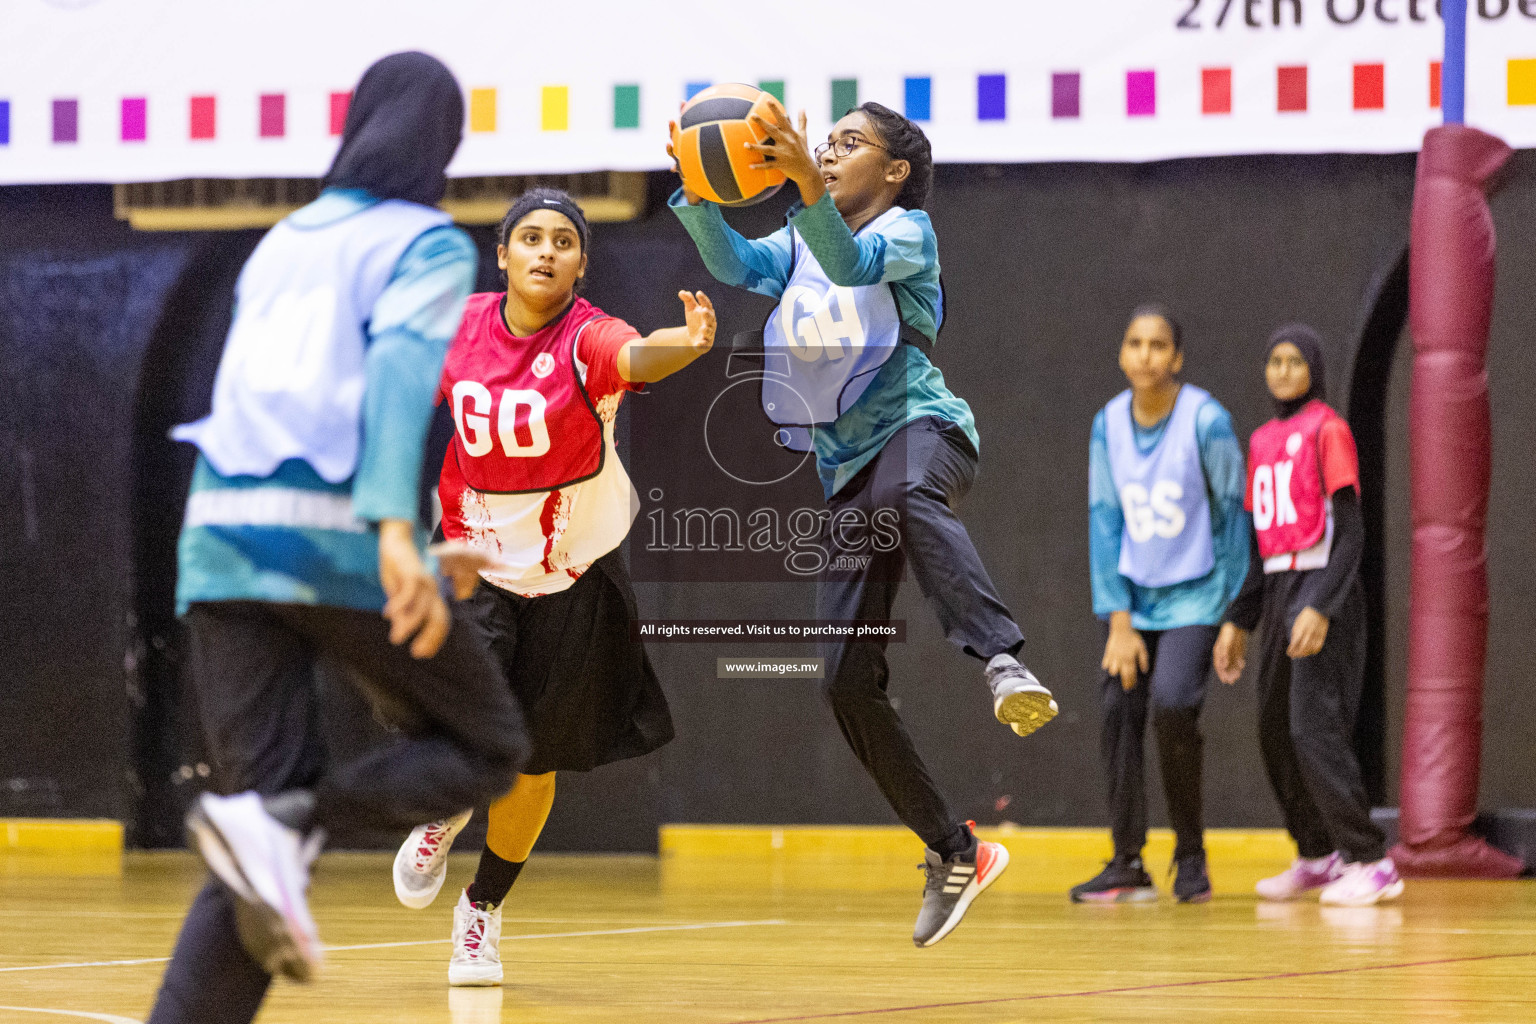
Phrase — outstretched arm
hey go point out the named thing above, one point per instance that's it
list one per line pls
(759, 265)
(662, 353)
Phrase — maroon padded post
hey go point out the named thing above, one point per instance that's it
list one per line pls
(1452, 276)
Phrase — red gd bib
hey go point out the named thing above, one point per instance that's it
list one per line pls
(1285, 481)
(522, 420)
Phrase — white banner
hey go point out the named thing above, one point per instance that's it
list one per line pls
(144, 90)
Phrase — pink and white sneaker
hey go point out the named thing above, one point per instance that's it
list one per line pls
(1364, 885)
(1301, 877)
(422, 863)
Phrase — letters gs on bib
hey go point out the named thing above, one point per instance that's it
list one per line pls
(518, 414)
(1152, 514)
(1272, 501)
(1221, 14)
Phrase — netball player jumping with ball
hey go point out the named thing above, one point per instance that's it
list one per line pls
(859, 256)
(532, 479)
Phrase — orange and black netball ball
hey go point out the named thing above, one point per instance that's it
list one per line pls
(709, 142)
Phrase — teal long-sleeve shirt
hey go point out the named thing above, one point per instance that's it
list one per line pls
(1199, 602)
(904, 254)
(409, 330)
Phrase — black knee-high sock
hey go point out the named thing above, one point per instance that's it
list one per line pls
(493, 878)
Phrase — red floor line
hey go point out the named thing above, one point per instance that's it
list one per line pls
(1136, 988)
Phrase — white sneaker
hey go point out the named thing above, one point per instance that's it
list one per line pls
(1364, 885)
(266, 864)
(1301, 877)
(422, 863)
(1018, 699)
(476, 944)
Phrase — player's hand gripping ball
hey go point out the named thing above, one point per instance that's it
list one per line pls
(709, 140)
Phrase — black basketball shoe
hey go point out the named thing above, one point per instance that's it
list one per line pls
(1192, 884)
(1123, 880)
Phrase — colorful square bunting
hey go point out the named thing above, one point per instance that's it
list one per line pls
(918, 98)
(991, 97)
(626, 106)
(340, 101)
(274, 115)
(1370, 87)
(203, 117)
(482, 110)
(1140, 93)
(134, 120)
(1291, 83)
(555, 108)
(1368, 93)
(1215, 90)
(66, 120)
(1067, 94)
(1522, 83)
(845, 96)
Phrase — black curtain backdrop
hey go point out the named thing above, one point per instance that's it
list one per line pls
(108, 337)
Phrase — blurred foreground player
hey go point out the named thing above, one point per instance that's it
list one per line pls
(301, 541)
(1303, 590)
(545, 495)
(858, 264)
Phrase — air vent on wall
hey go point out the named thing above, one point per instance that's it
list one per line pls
(218, 204)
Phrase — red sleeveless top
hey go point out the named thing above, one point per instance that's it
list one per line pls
(1287, 489)
(522, 419)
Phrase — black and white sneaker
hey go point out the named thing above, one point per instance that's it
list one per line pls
(951, 886)
(1123, 880)
(266, 865)
(1018, 698)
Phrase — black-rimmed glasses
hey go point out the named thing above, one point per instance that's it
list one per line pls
(844, 147)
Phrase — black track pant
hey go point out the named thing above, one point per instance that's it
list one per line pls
(1307, 710)
(923, 471)
(1174, 688)
(253, 664)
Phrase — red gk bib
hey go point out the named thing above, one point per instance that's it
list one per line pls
(1285, 481)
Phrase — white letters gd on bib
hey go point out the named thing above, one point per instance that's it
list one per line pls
(472, 416)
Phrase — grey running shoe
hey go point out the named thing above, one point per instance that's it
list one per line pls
(951, 886)
(1123, 880)
(1018, 699)
(266, 865)
(1192, 884)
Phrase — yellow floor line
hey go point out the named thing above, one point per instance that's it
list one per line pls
(874, 841)
(73, 836)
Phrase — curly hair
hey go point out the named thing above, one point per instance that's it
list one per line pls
(904, 140)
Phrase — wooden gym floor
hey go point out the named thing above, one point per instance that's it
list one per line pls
(794, 936)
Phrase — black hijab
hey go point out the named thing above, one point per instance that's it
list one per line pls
(1311, 348)
(404, 123)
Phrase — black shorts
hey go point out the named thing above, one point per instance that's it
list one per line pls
(588, 691)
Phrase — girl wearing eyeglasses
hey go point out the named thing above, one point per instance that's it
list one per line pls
(856, 273)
